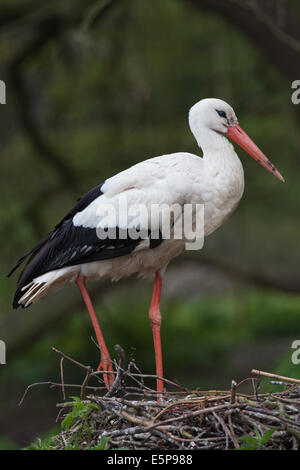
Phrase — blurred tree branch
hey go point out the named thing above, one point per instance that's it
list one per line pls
(95, 12)
(48, 29)
(289, 286)
(9, 14)
(272, 25)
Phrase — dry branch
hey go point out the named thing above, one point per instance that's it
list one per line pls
(275, 376)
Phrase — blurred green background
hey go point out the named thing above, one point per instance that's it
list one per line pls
(92, 88)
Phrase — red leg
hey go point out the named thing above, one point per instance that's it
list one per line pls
(155, 320)
(105, 357)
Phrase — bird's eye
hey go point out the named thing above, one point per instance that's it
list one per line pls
(221, 113)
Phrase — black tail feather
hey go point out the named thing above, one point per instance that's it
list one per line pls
(31, 252)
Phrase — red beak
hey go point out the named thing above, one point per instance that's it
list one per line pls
(239, 136)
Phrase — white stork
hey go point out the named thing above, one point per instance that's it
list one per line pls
(73, 251)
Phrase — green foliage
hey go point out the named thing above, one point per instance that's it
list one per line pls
(79, 419)
(260, 442)
(78, 424)
(51, 444)
(101, 444)
(48, 443)
(80, 410)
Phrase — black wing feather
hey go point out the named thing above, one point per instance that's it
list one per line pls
(81, 204)
(69, 245)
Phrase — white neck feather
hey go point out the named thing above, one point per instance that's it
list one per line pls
(211, 141)
(219, 155)
(215, 146)
(222, 166)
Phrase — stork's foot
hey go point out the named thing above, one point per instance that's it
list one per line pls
(106, 365)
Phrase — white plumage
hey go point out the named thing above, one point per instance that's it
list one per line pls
(216, 180)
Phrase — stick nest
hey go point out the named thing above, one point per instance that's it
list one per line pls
(131, 415)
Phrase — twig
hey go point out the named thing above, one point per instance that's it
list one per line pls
(120, 372)
(70, 359)
(56, 384)
(233, 391)
(275, 376)
(197, 413)
(85, 382)
(34, 385)
(235, 441)
(62, 377)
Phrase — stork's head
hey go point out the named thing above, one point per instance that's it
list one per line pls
(212, 114)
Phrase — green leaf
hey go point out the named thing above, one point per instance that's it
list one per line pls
(101, 444)
(67, 422)
(249, 439)
(267, 435)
